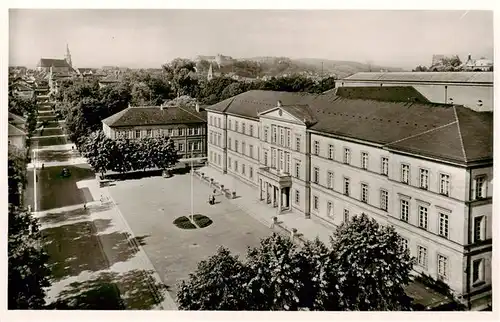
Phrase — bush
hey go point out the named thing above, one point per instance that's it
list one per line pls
(184, 223)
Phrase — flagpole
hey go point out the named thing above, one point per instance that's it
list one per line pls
(192, 188)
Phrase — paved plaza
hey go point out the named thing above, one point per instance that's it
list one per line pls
(150, 205)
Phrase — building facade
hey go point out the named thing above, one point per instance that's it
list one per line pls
(470, 89)
(186, 127)
(17, 137)
(329, 158)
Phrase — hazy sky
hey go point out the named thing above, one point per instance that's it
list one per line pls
(148, 38)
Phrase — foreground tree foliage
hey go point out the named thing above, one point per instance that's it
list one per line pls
(219, 283)
(364, 269)
(369, 258)
(123, 155)
(27, 262)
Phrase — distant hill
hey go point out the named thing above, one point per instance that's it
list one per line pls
(338, 67)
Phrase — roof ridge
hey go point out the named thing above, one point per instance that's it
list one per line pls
(460, 133)
(422, 133)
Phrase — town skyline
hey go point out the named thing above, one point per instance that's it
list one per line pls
(133, 38)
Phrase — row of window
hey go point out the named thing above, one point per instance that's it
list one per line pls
(137, 134)
(215, 138)
(244, 151)
(423, 217)
(315, 205)
(478, 265)
(242, 129)
(279, 135)
(215, 121)
(423, 183)
(215, 158)
(235, 166)
(280, 160)
(191, 146)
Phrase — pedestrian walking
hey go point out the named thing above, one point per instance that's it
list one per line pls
(102, 199)
(43, 166)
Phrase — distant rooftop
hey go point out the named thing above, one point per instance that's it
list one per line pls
(442, 77)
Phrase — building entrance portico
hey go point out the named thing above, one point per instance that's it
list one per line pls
(275, 193)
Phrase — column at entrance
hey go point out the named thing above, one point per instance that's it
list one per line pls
(280, 200)
(273, 195)
(286, 201)
(268, 191)
(260, 189)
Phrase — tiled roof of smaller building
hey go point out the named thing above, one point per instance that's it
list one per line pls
(22, 87)
(14, 131)
(154, 115)
(52, 62)
(16, 119)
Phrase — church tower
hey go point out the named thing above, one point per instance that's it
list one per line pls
(210, 74)
(68, 56)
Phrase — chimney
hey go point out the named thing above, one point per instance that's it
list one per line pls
(279, 104)
(197, 107)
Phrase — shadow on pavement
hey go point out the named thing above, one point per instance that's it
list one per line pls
(72, 215)
(111, 291)
(77, 247)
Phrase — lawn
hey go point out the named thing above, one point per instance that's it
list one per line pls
(47, 132)
(54, 191)
(57, 140)
(150, 206)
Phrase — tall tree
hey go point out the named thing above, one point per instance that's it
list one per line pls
(276, 274)
(16, 171)
(163, 153)
(27, 263)
(233, 90)
(372, 266)
(180, 72)
(99, 151)
(217, 284)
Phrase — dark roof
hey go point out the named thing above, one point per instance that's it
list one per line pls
(154, 115)
(49, 62)
(302, 112)
(388, 93)
(16, 119)
(450, 133)
(251, 103)
(14, 131)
